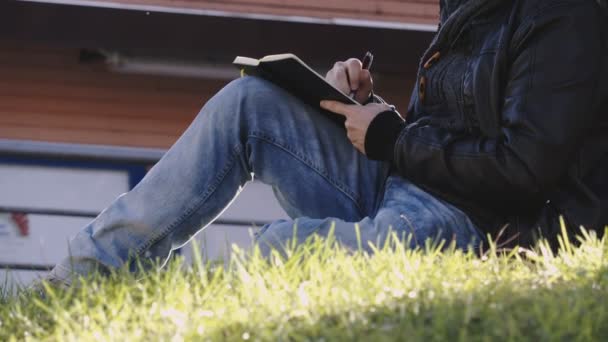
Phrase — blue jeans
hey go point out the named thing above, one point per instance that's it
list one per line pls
(253, 128)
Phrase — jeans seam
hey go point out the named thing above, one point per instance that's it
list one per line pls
(408, 222)
(381, 194)
(306, 161)
(192, 209)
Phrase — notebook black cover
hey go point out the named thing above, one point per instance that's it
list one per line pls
(293, 75)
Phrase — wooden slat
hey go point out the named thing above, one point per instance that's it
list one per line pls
(115, 137)
(78, 75)
(418, 12)
(47, 95)
(77, 121)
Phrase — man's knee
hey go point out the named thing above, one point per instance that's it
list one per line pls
(251, 89)
(260, 103)
(239, 100)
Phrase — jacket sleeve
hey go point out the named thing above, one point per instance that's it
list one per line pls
(551, 84)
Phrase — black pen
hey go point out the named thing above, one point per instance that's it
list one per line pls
(368, 59)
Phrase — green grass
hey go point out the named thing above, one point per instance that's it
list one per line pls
(324, 293)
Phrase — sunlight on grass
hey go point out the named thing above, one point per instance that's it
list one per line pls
(325, 293)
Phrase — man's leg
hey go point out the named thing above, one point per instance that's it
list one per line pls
(406, 211)
(249, 127)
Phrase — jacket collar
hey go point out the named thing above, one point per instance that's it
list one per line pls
(458, 14)
(448, 7)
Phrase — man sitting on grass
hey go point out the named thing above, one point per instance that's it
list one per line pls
(507, 127)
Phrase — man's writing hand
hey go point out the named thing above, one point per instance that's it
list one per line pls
(357, 117)
(349, 76)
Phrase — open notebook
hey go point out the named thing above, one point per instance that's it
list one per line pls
(291, 73)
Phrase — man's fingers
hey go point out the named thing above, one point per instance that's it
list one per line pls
(336, 107)
(338, 77)
(365, 86)
(353, 68)
(349, 76)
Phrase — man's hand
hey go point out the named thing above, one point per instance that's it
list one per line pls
(357, 117)
(350, 77)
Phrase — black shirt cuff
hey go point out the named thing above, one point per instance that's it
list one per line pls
(382, 135)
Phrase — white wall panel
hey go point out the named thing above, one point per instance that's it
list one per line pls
(60, 187)
(46, 243)
(256, 203)
(70, 188)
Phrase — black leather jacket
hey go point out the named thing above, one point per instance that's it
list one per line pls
(510, 122)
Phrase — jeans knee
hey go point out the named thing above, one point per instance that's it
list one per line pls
(244, 98)
(251, 89)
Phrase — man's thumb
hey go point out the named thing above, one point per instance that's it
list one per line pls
(335, 107)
